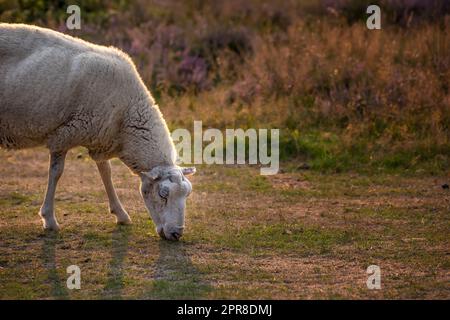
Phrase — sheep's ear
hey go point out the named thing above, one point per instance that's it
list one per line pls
(189, 171)
(153, 174)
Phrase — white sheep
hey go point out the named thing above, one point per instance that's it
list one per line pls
(63, 92)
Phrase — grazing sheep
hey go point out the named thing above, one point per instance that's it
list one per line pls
(63, 92)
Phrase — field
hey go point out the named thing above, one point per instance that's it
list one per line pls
(292, 235)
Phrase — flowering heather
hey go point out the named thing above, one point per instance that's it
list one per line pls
(305, 66)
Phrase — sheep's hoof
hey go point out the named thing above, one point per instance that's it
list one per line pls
(125, 220)
(49, 221)
(51, 225)
(122, 216)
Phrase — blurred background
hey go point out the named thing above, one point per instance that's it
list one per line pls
(345, 97)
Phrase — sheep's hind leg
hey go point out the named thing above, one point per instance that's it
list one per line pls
(55, 171)
(115, 207)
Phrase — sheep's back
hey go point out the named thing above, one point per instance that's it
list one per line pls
(47, 78)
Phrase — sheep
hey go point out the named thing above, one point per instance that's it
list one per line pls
(62, 92)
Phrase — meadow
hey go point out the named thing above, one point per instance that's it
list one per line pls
(303, 235)
(364, 117)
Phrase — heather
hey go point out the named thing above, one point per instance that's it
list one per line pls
(345, 97)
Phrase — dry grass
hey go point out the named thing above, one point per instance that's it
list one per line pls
(306, 67)
(294, 235)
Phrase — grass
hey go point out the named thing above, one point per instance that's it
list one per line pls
(286, 238)
(292, 235)
(14, 199)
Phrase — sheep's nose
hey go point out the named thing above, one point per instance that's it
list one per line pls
(173, 234)
(176, 235)
(161, 234)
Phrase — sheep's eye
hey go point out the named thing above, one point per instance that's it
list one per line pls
(145, 191)
(164, 192)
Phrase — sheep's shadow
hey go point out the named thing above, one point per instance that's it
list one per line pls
(175, 276)
(119, 248)
(58, 286)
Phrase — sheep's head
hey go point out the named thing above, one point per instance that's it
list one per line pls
(165, 190)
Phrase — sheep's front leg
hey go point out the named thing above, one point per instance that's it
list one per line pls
(115, 207)
(55, 171)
